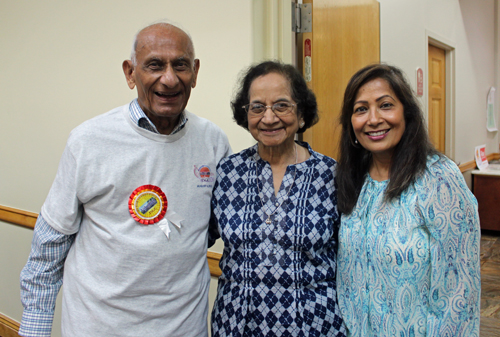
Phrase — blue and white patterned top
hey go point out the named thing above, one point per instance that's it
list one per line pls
(277, 279)
(410, 267)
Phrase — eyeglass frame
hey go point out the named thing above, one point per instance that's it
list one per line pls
(279, 114)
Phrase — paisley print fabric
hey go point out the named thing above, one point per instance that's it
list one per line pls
(410, 267)
(277, 279)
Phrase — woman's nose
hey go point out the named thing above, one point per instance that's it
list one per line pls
(373, 116)
(269, 115)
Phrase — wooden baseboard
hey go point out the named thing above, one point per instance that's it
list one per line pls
(8, 327)
(28, 219)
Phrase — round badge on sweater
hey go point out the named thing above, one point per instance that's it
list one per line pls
(147, 204)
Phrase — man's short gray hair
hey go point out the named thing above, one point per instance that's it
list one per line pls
(164, 23)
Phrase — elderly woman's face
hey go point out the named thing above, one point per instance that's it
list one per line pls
(378, 118)
(269, 129)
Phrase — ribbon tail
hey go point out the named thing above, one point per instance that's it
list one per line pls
(165, 228)
(174, 218)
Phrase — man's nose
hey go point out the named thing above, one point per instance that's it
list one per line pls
(169, 77)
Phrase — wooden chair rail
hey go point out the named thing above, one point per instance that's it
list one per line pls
(28, 219)
(8, 327)
(471, 165)
(18, 217)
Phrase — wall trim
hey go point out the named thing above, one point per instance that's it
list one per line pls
(28, 219)
(471, 165)
(8, 327)
(213, 263)
(18, 217)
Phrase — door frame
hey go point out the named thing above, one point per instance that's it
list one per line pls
(273, 38)
(449, 48)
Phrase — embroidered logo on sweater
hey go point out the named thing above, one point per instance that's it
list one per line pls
(205, 175)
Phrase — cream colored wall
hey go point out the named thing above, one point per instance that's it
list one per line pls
(60, 64)
(469, 27)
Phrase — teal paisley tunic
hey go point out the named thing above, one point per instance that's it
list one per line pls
(410, 267)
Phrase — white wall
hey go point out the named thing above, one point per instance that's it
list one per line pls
(469, 27)
(60, 64)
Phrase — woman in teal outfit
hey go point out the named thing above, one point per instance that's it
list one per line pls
(408, 260)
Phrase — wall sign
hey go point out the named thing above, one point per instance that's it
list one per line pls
(307, 60)
(420, 82)
(491, 124)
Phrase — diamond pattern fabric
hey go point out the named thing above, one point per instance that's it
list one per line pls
(277, 279)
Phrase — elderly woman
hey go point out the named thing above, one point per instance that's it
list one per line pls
(408, 262)
(275, 208)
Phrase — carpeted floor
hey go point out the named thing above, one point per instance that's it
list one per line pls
(490, 284)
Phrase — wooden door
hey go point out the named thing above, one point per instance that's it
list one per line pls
(345, 37)
(437, 97)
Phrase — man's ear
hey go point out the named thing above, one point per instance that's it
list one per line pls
(196, 68)
(128, 70)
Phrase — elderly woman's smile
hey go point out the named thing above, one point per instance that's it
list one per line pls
(269, 129)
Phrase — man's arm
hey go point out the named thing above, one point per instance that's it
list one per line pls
(42, 277)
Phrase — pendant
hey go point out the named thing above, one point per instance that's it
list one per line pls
(268, 221)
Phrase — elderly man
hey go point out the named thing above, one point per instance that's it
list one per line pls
(125, 222)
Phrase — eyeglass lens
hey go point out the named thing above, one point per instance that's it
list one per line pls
(279, 108)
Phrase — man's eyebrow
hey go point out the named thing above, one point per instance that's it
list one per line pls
(154, 58)
(183, 59)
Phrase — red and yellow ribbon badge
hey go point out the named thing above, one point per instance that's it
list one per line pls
(147, 204)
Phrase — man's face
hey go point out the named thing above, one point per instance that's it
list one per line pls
(164, 73)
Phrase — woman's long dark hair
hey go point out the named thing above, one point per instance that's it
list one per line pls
(410, 154)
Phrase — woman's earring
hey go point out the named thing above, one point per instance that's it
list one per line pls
(356, 141)
(302, 123)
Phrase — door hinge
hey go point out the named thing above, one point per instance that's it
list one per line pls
(301, 18)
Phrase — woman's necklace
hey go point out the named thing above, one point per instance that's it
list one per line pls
(268, 220)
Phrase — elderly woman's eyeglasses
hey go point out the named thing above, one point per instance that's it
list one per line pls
(279, 109)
